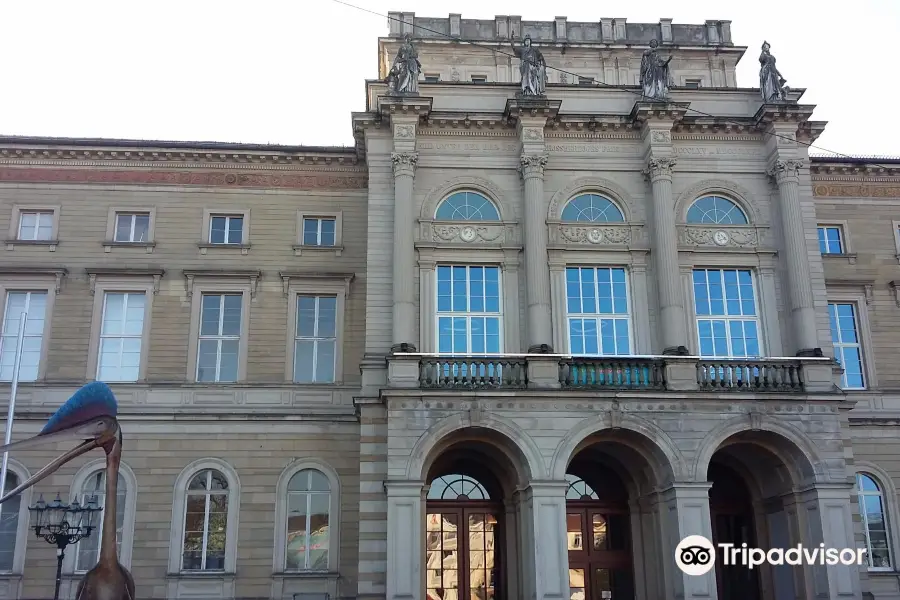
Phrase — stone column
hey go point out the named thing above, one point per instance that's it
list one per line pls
(684, 511)
(404, 253)
(405, 540)
(786, 174)
(544, 545)
(537, 272)
(673, 335)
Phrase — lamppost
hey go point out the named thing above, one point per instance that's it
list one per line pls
(62, 525)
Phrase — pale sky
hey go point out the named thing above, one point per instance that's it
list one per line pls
(291, 71)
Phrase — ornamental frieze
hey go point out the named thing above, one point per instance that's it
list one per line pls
(444, 233)
(857, 191)
(591, 235)
(144, 177)
(722, 237)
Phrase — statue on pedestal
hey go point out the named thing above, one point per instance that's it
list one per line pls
(771, 83)
(533, 68)
(655, 73)
(403, 78)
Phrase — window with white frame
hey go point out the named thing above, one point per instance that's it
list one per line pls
(218, 347)
(121, 334)
(318, 231)
(226, 229)
(94, 487)
(469, 317)
(36, 225)
(848, 350)
(831, 239)
(132, 227)
(873, 511)
(315, 339)
(205, 522)
(716, 210)
(598, 311)
(34, 303)
(9, 525)
(726, 313)
(308, 522)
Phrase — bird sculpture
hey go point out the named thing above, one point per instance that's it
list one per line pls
(89, 415)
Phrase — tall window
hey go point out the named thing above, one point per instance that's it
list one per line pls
(468, 310)
(35, 225)
(847, 348)
(831, 239)
(716, 210)
(318, 232)
(315, 339)
(726, 312)
(592, 208)
(226, 229)
(467, 206)
(309, 508)
(88, 551)
(132, 227)
(205, 522)
(121, 332)
(35, 304)
(598, 311)
(875, 522)
(220, 337)
(9, 525)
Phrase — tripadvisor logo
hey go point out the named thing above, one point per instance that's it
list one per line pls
(695, 555)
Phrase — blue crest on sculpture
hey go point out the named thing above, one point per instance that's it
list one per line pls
(93, 400)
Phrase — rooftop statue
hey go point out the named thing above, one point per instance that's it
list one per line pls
(533, 68)
(655, 73)
(771, 83)
(403, 77)
(90, 416)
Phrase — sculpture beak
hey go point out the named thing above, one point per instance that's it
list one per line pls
(77, 431)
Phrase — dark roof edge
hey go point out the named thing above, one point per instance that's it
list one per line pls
(873, 160)
(180, 145)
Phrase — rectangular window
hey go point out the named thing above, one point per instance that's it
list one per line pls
(847, 347)
(831, 239)
(35, 225)
(315, 339)
(468, 310)
(35, 304)
(132, 227)
(692, 84)
(432, 78)
(220, 337)
(726, 312)
(479, 78)
(121, 332)
(598, 311)
(585, 81)
(318, 231)
(226, 229)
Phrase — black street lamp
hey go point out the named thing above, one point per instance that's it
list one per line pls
(62, 525)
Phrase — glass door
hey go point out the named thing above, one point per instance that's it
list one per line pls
(462, 554)
(599, 554)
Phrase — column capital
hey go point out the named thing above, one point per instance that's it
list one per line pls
(532, 165)
(404, 163)
(658, 168)
(785, 169)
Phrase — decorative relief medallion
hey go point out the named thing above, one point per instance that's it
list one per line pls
(721, 238)
(595, 236)
(857, 191)
(404, 131)
(736, 237)
(466, 233)
(661, 137)
(532, 134)
(582, 234)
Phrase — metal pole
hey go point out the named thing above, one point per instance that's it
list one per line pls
(12, 400)
(60, 555)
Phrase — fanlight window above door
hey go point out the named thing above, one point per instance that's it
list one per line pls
(457, 487)
(715, 210)
(592, 208)
(467, 206)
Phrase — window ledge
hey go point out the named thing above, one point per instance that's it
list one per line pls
(201, 575)
(307, 575)
(882, 571)
(300, 248)
(50, 244)
(6, 576)
(244, 248)
(108, 245)
(850, 257)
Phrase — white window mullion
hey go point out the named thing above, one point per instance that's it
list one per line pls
(308, 533)
(206, 508)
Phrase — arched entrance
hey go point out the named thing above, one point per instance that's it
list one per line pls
(731, 514)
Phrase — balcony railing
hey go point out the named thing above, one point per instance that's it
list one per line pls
(612, 373)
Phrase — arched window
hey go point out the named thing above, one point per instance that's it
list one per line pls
(467, 206)
(579, 489)
(205, 522)
(591, 208)
(94, 486)
(875, 521)
(457, 487)
(716, 210)
(9, 525)
(308, 521)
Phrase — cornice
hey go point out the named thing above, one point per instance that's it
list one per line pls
(860, 189)
(125, 271)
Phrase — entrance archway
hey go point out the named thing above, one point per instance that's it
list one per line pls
(731, 514)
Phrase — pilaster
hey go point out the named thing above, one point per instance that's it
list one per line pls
(545, 554)
(405, 540)
(684, 511)
(657, 120)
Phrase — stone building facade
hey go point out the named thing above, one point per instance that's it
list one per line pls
(506, 347)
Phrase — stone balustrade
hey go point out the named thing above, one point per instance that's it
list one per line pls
(613, 373)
